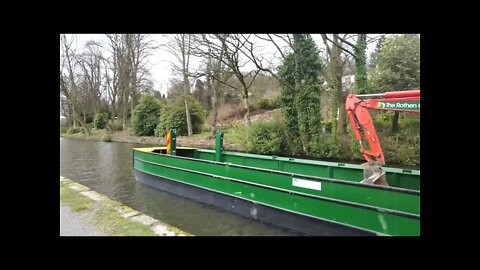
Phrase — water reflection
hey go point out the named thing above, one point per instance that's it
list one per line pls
(107, 169)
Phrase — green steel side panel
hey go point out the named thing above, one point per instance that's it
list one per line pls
(246, 155)
(403, 178)
(205, 154)
(384, 223)
(362, 194)
(253, 162)
(266, 164)
(409, 179)
(324, 171)
(234, 159)
(388, 199)
(260, 161)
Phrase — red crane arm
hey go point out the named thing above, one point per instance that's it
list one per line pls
(361, 121)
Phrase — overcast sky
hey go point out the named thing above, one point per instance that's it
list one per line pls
(158, 62)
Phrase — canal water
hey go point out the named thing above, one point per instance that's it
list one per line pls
(106, 167)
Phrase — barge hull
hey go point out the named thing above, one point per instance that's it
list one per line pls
(263, 213)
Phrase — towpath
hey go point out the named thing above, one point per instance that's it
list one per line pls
(72, 224)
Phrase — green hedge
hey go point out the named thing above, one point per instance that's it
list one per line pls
(269, 138)
(100, 121)
(265, 138)
(269, 103)
(75, 130)
(172, 115)
(145, 116)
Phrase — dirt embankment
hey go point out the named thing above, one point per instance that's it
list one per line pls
(193, 141)
(228, 115)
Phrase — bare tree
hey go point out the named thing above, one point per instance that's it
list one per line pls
(282, 42)
(130, 52)
(67, 82)
(111, 83)
(215, 72)
(334, 69)
(333, 75)
(227, 49)
(65, 103)
(358, 52)
(68, 85)
(140, 48)
(64, 108)
(336, 45)
(180, 47)
(121, 72)
(89, 62)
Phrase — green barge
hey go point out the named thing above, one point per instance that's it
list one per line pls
(308, 196)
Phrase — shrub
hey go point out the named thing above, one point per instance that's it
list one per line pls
(325, 147)
(382, 120)
(387, 116)
(401, 148)
(75, 130)
(145, 116)
(410, 124)
(116, 127)
(408, 155)
(173, 115)
(159, 132)
(100, 121)
(106, 138)
(354, 148)
(265, 138)
(269, 104)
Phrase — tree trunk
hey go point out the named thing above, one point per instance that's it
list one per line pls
(395, 123)
(337, 68)
(342, 114)
(334, 114)
(85, 127)
(113, 111)
(189, 121)
(69, 116)
(338, 108)
(215, 88)
(184, 47)
(186, 92)
(132, 105)
(83, 122)
(297, 86)
(124, 116)
(361, 65)
(246, 117)
(215, 112)
(74, 120)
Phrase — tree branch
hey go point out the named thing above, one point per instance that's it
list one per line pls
(225, 83)
(348, 43)
(324, 37)
(339, 46)
(254, 76)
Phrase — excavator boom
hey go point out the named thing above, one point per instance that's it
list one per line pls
(362, 124)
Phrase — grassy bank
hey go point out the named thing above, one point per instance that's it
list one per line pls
(111, 217)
